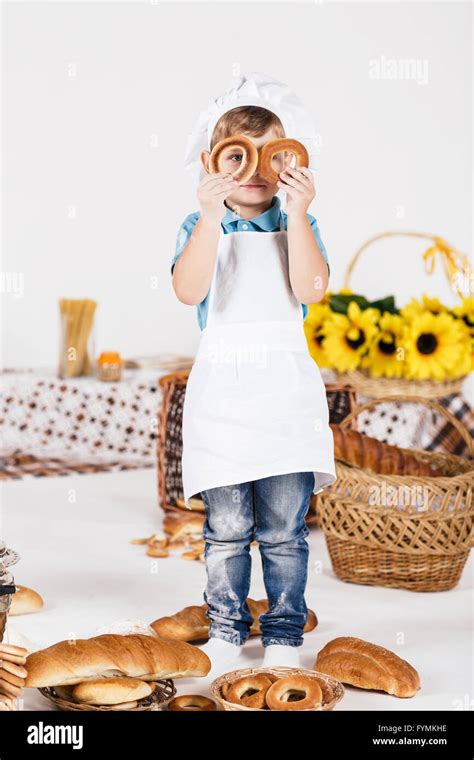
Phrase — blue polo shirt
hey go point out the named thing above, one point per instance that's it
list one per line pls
(269, 221)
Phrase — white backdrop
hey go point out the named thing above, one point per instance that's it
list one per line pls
(98, 99)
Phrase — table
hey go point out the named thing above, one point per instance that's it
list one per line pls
(82, 418)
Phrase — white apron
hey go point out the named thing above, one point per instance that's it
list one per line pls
(255, 402)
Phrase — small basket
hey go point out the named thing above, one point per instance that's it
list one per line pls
(340, 397)
(164, 692)
(401, 546)
(333, 691)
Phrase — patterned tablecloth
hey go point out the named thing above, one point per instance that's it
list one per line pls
(100, 425)
(81, 418)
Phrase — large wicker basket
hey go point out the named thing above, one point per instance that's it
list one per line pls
(340, 397)
(401, 546)
(333, 691)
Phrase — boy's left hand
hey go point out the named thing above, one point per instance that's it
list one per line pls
(299, 187)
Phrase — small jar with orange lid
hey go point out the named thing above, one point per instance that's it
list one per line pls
(109, 366)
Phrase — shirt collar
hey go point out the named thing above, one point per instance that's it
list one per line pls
(267, 222)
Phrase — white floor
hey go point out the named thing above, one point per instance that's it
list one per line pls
(73, 536)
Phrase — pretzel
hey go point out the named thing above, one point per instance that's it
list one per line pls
(249, 691)
(224, 148)
(192, 702)
(279, 693)
(265, 168)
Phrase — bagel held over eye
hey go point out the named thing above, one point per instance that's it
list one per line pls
(265, 168)
(230, 145)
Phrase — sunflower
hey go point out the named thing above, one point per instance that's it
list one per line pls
(385, 356)
(349, 337)
(435, 346)
(415, 307)
(314, 328)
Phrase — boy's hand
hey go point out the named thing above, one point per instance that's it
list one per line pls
(212, 192)
(299, 187)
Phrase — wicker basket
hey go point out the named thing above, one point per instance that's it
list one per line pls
(403, 546)
(377, 387)
(164, 692)
(340, 397)
(385, 387)
(333, 691)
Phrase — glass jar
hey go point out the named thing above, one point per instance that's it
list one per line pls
(109, 366)
(7, 584)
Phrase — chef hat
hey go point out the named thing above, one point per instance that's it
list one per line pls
(253, 89)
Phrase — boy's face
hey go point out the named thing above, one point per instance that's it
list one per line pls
(256, 191)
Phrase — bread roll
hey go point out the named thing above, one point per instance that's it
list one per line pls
(109, 655)
(25, 601)
(192, 623)
(361, 450)
(368, 666)
(65, 692)
(111, 691)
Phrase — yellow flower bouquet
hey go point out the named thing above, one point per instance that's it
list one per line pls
(425, 347)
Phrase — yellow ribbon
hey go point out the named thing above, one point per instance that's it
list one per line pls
(453, 261)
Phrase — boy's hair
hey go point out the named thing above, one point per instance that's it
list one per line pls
(253, 120)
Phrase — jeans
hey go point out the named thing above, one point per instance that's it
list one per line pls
(272, 511)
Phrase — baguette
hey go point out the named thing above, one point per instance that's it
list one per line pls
(355, 448)
(368, 666)
(192, 623)
(108, 655)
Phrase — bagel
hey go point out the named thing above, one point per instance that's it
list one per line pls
(265, 168)
(250, 691)
(192, 702)
(237, 145)
(279, 694)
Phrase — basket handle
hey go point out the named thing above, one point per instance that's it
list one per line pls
(453, 260)
(460, 427)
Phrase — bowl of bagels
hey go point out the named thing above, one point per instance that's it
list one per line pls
(344, 660)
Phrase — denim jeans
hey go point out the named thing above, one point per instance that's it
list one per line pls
(272, 511)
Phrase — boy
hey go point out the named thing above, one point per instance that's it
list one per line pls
(256, 436)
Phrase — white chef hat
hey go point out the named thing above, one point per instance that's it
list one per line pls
(253, 89)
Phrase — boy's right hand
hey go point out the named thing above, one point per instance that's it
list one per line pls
(212, 192)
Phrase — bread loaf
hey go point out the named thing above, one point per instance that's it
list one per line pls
(355, 448)
(368, 666)
(111, 691)
(108, 655)
(192, 623)
(25, 601)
